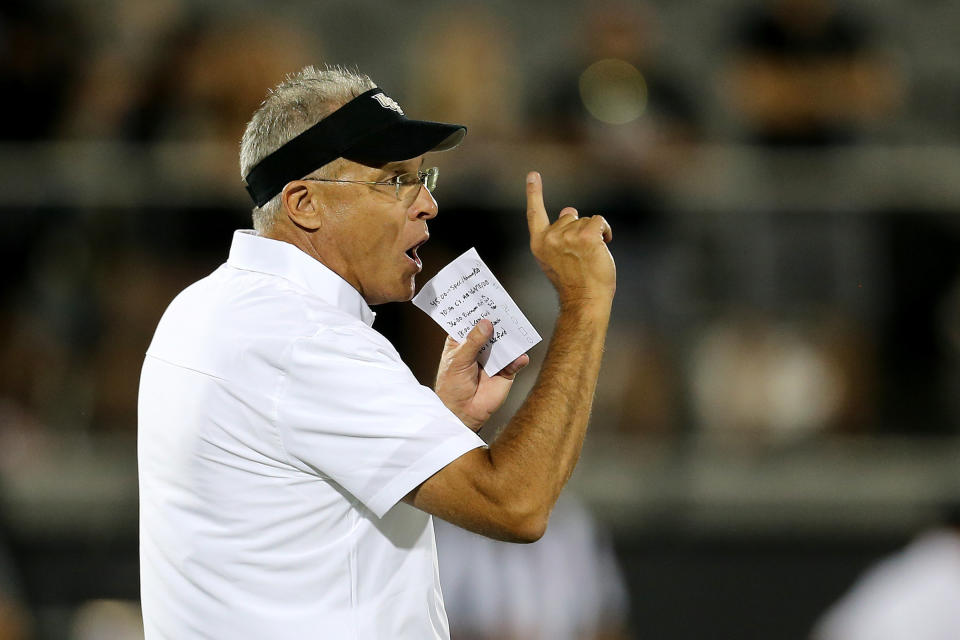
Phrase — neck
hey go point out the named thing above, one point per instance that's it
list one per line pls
(311, 243)
(298, 237)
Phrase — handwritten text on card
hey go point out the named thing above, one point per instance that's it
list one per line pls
(465, 292)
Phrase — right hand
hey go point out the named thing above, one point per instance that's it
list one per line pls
(572, 251)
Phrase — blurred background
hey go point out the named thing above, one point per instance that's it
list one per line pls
(780, 403)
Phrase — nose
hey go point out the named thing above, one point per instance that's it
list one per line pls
(424, 207)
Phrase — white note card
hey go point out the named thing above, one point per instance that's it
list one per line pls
(466, 291)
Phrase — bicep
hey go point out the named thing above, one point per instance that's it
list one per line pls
(468, 493)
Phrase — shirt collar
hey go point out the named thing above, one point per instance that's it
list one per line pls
(252, 252)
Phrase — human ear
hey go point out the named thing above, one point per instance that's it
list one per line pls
(300, 205)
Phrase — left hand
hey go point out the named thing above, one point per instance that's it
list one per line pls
(464, 387)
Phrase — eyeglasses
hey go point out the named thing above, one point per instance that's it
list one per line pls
(425, 177)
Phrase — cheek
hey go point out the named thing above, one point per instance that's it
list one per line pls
(385, 238)
(363, 237)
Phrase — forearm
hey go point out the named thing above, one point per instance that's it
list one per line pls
(535, 454)
(506, 491)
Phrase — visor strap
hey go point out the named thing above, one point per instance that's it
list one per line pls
(324, 142)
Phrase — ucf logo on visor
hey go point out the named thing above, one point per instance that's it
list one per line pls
(387, 102)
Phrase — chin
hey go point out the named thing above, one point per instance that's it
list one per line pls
(402, 293)
(410, 292)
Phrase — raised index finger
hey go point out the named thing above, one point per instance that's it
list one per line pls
(537, 218)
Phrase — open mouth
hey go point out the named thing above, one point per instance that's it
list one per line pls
(411, 253)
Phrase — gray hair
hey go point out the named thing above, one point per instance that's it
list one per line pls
(292, 107)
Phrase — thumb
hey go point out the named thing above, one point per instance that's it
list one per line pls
(466, 354)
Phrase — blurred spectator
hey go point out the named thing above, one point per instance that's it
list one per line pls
(462, 70)
(107, 620)
(226, 67)
(639, 387)
(913, 595)
(133, 290)
(627, 126)
(163, 72)
(38, 59)
(630, 120)
(133, 43)
(34, 368)
(805, 73)
(73, 333)
(948, 318)
(921, 345)
(15, 619)
(566, 586)
(752, 375)
(47, 330)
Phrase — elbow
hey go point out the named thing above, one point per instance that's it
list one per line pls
(531, 532)
(527, 526)
(512, 515)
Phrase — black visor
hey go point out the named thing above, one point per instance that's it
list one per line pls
(370, 129)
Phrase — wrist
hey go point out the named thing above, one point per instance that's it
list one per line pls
(471, 422)
(586, 303)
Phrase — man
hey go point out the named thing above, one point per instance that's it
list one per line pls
(289, 461)
(909, 595)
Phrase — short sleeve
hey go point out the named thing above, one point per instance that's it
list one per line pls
(350, 410)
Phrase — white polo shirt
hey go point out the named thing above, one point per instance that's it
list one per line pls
(277, 433)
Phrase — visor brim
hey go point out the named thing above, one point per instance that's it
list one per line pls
(404, 140)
